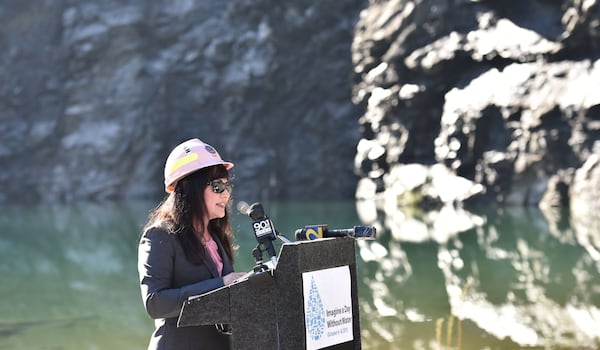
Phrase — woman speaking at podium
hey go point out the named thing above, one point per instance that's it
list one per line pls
(186, 247)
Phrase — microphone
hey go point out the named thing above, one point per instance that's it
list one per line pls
(243, 208)
(262, 226)
(312, 232)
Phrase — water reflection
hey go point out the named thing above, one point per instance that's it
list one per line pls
(502, 279)
(68, 278)
(495, 279)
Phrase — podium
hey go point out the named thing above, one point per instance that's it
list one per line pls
(309, 300)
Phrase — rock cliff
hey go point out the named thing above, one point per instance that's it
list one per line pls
(95, 94)
(435, 101)
(494, 100)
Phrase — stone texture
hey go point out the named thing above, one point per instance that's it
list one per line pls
(505, 94)
(94, 95)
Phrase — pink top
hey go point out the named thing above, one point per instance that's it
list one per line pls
(213, 251)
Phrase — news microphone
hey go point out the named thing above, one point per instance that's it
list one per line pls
(312, 232)
(243, 208)
(262, 226)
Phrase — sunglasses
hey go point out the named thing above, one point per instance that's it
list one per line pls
(219, 186)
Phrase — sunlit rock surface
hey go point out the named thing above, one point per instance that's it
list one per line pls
(506, 94)
(585, 206)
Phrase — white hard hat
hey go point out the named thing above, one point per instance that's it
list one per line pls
(188, 157)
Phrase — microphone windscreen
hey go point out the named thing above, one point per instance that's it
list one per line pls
(311, 232)
(243, 207)
(367, 232)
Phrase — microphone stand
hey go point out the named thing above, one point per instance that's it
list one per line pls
(258, 258)
(257, 253)
(283, 238)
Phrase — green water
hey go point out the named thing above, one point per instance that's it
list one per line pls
(510, 279)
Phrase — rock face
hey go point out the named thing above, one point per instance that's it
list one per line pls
(95, 94)
(505, 94)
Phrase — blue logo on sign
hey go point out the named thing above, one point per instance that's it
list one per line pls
(315, 313)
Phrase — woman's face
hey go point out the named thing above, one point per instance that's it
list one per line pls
(217, 202)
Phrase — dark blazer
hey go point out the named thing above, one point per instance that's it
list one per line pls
(167, 279)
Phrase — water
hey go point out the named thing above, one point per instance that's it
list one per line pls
(496, 279)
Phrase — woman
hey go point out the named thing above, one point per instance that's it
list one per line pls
(186, 248)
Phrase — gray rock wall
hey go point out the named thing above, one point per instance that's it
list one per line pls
(502, 94)
(94, 95)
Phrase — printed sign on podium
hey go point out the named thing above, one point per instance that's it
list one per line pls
(327, 307)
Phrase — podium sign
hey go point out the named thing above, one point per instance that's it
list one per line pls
(308, 301)
(327, 307)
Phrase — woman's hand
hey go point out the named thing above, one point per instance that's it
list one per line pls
(232, 277)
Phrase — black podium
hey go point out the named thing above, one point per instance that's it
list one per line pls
(308, 301)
